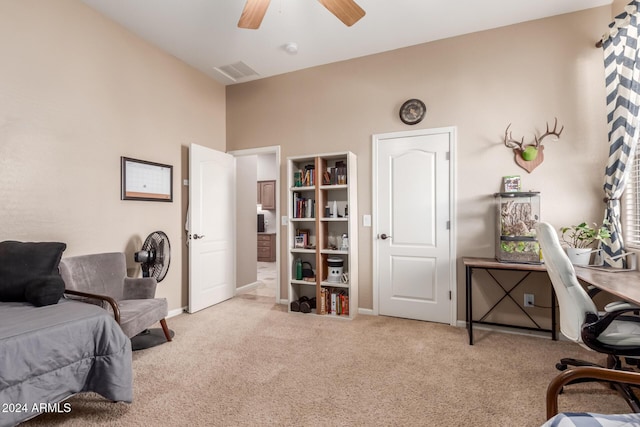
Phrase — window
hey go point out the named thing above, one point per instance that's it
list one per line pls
(630, 207)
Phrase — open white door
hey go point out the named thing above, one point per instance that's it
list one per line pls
(212, 227)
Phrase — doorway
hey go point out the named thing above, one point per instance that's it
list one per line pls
(413, 233)
(258, 278)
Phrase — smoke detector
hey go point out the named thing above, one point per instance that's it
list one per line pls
(291, 48)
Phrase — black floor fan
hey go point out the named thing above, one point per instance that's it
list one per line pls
(154, 257)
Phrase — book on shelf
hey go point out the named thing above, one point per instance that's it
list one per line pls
(303, 207)
(322, 307)
(305, 177)
(335, 301)
(309, 176)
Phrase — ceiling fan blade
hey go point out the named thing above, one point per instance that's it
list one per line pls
(345, 10)
(253, 13)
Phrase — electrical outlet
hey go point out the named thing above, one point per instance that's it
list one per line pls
(528, 300)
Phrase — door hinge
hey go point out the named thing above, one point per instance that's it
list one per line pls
(450, 296)
(448, 155)
(448, 225)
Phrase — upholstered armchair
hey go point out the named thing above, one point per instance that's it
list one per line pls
(102, 279)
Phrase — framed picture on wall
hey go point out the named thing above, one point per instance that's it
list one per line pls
(144, 180)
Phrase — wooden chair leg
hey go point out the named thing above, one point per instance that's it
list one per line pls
(165, 329)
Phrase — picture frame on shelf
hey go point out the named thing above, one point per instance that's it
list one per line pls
(299, 242)
(326, 178)
(304, 233)
(511, 184)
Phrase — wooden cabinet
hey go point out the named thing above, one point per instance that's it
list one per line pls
(267, 194)
(267, 247)
(322, 232)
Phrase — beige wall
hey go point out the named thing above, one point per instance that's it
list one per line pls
(524, 74)
(246, 222)
(617, 7)
(77, 92)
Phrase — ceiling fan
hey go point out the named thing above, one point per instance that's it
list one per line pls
(345, 10)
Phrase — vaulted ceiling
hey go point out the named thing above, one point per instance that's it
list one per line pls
(204, 33)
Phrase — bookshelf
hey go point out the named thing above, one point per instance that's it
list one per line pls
(323, 233)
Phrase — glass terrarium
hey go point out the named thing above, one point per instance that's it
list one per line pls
(517, 213)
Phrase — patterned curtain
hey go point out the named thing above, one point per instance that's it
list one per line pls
(622, 73)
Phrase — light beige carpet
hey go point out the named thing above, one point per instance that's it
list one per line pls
(248, 362)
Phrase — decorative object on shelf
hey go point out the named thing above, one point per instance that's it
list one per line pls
(580, 239)
(307, 271)
(345, 278)
(336, 266)
(412, 112)
(345, 242)
(530, 156)
(298, 269)
(511, 183)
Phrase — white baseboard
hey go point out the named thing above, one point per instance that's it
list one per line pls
(249, 287)
(177, 311)
(366, 311)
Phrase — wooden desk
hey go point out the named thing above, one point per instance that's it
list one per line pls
(491, 264)
(624, 284)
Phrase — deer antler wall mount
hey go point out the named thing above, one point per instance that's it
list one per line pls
(530, 156)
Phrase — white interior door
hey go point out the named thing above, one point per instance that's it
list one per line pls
(412, 241)
(212, 227)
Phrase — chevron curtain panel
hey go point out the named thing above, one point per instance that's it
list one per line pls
(622, 74)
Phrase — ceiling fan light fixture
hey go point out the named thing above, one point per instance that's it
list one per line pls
(347, 11)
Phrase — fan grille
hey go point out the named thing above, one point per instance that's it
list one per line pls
(159, 249)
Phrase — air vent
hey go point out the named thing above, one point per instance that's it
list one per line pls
(236, 71)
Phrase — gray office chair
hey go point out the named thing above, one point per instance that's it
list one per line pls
(610, 333)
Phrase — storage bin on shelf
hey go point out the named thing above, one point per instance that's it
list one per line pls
(516, 216)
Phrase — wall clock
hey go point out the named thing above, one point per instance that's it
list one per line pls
(412, 112)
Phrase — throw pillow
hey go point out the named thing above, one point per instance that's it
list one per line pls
(23, 262)
(45, 290)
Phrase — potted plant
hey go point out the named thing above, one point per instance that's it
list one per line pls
(581, 238)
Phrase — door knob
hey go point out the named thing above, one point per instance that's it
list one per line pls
(384, 236)
(198, 236)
